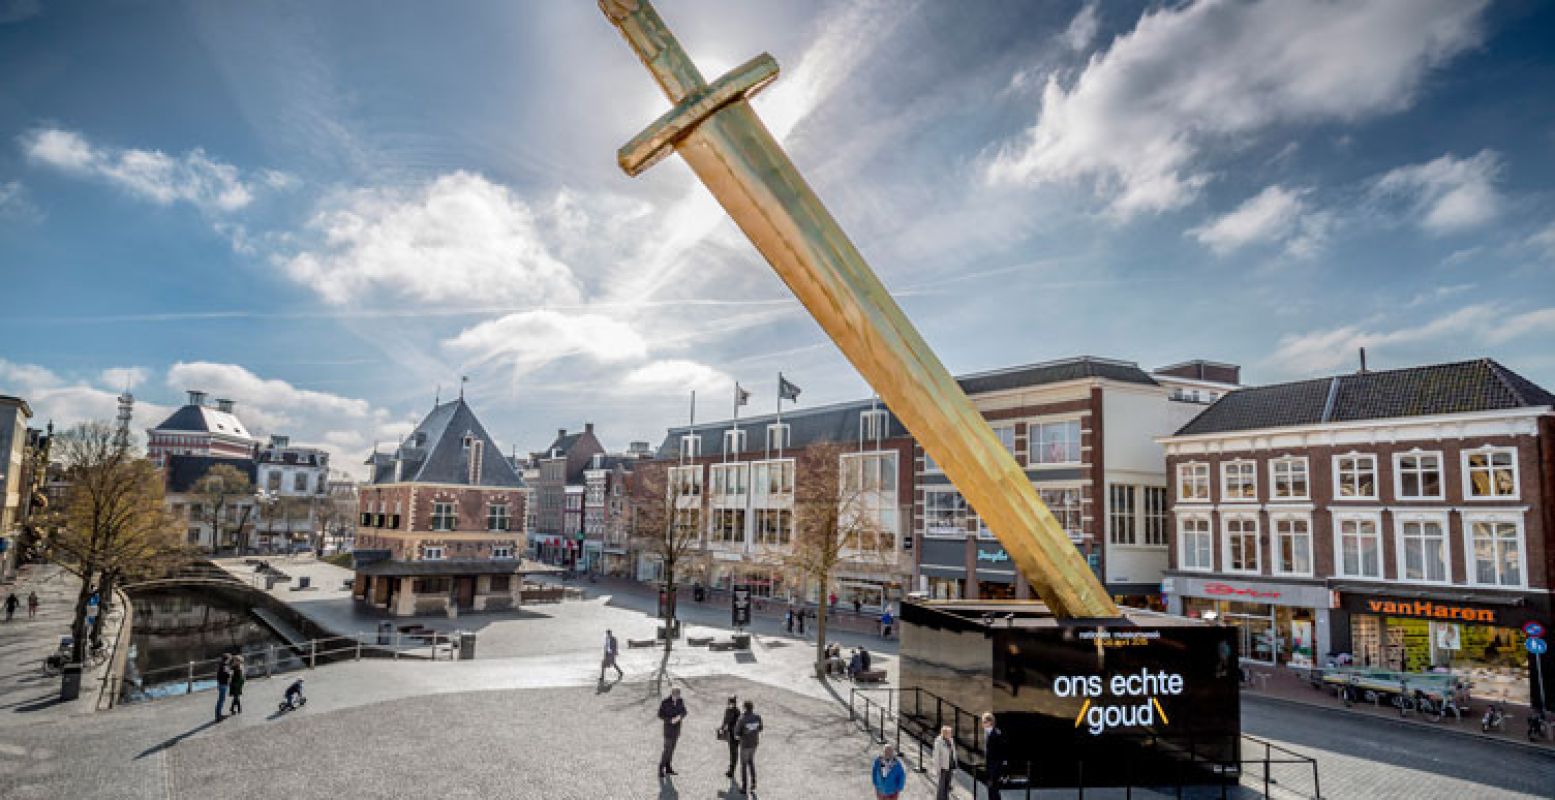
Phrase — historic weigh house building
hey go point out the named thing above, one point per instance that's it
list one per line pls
(439, 518)
(1401, 516)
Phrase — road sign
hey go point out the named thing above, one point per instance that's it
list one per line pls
(741, 610)
(1534, 629)
(1536, 646)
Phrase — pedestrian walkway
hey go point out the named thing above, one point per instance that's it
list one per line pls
(25, 642)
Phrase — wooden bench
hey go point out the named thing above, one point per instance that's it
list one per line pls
(720, 647)
(642, 642)
(699, 641)
(870, 676)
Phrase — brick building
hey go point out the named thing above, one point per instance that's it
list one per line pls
(558, 495)
(1402, 516)
(438, 518)
(199, 429)
(606, 523)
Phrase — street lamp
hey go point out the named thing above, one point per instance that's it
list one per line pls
(266, 499)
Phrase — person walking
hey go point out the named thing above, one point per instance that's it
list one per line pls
(235, 684)
(858, 606)
(802, 615)
(730, 733)
(673, 712)
(833, 601)
(612, 649)
(10, 605)
(944, 763)
(223, 684)
(993, 748)
(750, 737)
(32, 604)
(886, 621)
(888, 774)
(788, 620)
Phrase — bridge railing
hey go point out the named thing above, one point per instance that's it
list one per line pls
(280, 659)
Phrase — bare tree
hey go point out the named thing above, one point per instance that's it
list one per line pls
(217, 489)
(113, 524)
(834, 521)
(334, 513)
(666, 519)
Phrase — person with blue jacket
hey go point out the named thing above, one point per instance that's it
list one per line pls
(889, 775)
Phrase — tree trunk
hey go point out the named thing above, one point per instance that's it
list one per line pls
(821, 610)
(78, 630)
(669, 605)
(104, 596)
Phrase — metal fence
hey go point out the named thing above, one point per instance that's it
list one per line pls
(264, 662)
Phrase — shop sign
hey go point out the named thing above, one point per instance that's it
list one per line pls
(1423, 609)
(1219, 589)
(993, 556)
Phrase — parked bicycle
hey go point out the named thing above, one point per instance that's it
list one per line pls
(54, 663)
(1538, 724)
(1494, 719)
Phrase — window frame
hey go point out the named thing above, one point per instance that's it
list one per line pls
(497, 552)
(1376, 479)
(1371, 516)
(1063, 511)
(1245, 518)
(960, 516)
(1208, 533)
(1471, 518)
(1037, 443)
(1277, 543)
(433, 553)
(1225, 475)
(1399, 472)
(1126, 512)
(1274, 478)
(506, 516)
(1207, 477)
(1438, 518)
(1468, 475)
(451, 517)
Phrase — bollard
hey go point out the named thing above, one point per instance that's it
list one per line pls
(396, 645)
(270, 661)
(190, 688)
(313, 653)
(359, 647)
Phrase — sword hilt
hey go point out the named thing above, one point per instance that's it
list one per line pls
(656, 46)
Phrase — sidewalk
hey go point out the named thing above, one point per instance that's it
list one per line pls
(1286, 685)
(25, 642)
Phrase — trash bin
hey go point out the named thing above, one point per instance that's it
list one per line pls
(466, 646)
(742, 641)
(304, 582)
(70, 682)
(385, 632)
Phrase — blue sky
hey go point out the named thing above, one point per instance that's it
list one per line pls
(327, 210)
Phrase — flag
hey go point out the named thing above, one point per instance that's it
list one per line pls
(741, 396)
(786, 389)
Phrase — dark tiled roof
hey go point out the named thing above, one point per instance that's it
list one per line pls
(441, 457)
(1456, 388)
(1069, 369)
(563, 444)
(184, 471)
(835, 423)
(203, 418)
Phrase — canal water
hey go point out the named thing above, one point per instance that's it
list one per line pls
(175, 627)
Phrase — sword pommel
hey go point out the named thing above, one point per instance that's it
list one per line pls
(656, 46)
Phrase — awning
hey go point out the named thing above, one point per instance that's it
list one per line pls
(1429, 594)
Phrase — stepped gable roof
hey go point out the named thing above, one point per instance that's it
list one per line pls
(1453, 388)
(204, 419)
(184, 471)
(435, 452)
(1067, 369)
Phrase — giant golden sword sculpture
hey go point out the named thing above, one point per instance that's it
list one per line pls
(716, 131)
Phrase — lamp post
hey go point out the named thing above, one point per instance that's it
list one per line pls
(266, 500)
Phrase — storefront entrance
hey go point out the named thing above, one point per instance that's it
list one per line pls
(1492, 658)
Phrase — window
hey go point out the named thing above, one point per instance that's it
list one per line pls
(729, 525)
(690, 446)
(1355, 477)
(1238, 481)
(273, 480)
(1155, 515)
(443, 518)
(774, 526)
(497, 517)
(944, 512)
(1360, 548)
(734, 441)
(1065, 505)
(869, 472)
(501, 584)
(1293, 545)
(928, 462)
(1006, 434)
(1197, 543)
(1056, 442)
(1192, 482)
(1288, 479)
(1422, 549)
(1497, 546)
(1419, 476)
(872, 424)
(1491, 472)
(299, 481)
(1120, 514)
(772, 478)
(727, 481)
(869, 481)
(432, 585)
(432, 553)
(686, 481)
(1242, 548)
(502, 551)
(777, 436)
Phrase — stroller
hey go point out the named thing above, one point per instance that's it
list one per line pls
(294, 698)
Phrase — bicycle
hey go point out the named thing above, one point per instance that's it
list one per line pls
(1537, 725)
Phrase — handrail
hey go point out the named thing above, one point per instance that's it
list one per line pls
(116, 661)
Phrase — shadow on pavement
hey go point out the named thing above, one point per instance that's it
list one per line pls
(667, 789)
(166, 743)
(38, 705)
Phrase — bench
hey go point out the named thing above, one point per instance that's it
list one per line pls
(720, 647)
(699, 641)
(870, 676)
(642, 642)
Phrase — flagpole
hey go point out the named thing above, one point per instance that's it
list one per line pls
(779, 419)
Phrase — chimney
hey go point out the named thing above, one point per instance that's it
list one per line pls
(1363, 361)
(560, 432)
(196, 397)
(588, 427)
(225, 406)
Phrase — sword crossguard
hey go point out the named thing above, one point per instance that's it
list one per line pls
(659, 139)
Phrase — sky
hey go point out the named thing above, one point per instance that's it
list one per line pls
(332, 212)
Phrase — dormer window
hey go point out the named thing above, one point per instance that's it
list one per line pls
(872, 424)
(778, 436)
(734, 441)
(690, 446)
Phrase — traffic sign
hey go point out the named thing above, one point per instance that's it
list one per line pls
(1534, 629)
(1536, 646)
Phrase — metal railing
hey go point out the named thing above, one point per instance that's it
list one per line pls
(107, 699)
(264, 662)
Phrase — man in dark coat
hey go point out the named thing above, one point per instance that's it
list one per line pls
(730, 732)
(750, 738)
(993, 748)
(673, 712)
(223, 681)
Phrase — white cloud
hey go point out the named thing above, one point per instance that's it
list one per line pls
(123, 377)
(1447, 194)
(529, 340)
(458, 239)
(1275, 215)
(1519, 325)
(65, 402)
(194, 178)
(14, 203)
(1082, 29)
(1482, 323)
(1543, 242)
(675, 377)
(1140, 118)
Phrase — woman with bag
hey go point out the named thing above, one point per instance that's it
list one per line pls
(726, 733)
(944, 763)
(889, 776)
